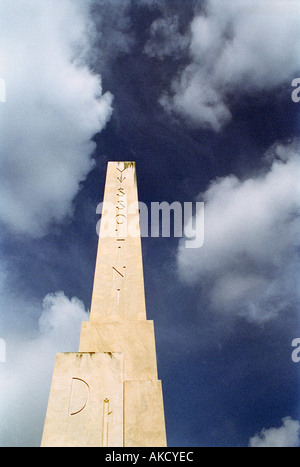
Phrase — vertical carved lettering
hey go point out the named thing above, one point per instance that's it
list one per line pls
(121, 192)
(118, 220)
(80, 391)
(120, 273)
(121, 205)
(118, 296)
(121, 223)
(121, 178)
(105, 428)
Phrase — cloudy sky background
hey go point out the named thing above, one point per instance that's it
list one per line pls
(198, 93)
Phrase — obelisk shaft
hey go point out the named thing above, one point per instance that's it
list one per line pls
(118, 292)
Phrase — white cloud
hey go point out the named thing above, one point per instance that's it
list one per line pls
(285, 436)
(54, 106)
(249, 264)
(26, 376)
(237, 47)
(61, 318)
(113, 31)
(165, 38)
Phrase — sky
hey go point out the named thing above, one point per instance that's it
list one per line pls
(199, 94)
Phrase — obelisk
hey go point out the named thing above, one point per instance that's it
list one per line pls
(108, 394)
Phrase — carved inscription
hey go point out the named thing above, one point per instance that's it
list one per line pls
(119, 271)
(121, 178)
(105, 427)
(121, 204)
(80, 391)
(122, 274)
(120, 219)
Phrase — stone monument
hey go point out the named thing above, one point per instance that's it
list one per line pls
(108, 394)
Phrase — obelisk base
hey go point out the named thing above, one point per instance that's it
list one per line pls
(144, 423)
(90, 404)
(85, 407)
